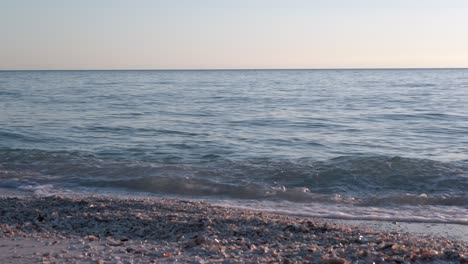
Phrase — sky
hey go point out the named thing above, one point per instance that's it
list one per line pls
(232, 34)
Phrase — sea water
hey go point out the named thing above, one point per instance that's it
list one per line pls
(350, 144)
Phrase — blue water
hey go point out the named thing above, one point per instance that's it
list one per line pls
(364, 144)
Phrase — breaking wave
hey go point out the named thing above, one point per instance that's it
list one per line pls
(361, 180)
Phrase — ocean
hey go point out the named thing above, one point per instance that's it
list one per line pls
(347, 144)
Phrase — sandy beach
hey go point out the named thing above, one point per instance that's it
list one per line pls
(322, 132)
(98, 229)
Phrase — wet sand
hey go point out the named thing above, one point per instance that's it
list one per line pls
(103, 229)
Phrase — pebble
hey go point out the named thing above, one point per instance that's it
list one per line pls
(152, 231)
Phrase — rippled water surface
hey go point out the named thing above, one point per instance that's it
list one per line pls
(371, 144)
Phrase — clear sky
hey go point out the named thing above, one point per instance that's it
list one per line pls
(199, 34)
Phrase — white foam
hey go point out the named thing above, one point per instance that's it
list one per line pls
(40, 190)
(410, 214)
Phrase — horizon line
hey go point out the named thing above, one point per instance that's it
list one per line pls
(247, 69)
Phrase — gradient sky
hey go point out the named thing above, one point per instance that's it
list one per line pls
(199, 34)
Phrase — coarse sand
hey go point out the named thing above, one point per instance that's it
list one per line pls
(103, 229)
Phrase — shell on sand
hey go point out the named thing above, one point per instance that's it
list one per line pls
(118, 230)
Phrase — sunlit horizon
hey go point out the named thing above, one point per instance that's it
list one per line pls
(259, 34)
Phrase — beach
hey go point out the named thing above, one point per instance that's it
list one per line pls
(245, 166)
(106, 229)
(322, 132)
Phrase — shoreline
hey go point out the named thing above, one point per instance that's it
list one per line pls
(103, 229)
(450, 230)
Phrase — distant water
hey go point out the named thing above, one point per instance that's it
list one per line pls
(351, 144)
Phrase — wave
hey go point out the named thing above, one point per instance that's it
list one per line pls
(206, 188)
(348, 187)
(12, 94)
(125, 130)
(8, 135)
(413, 85)
(364, 179)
